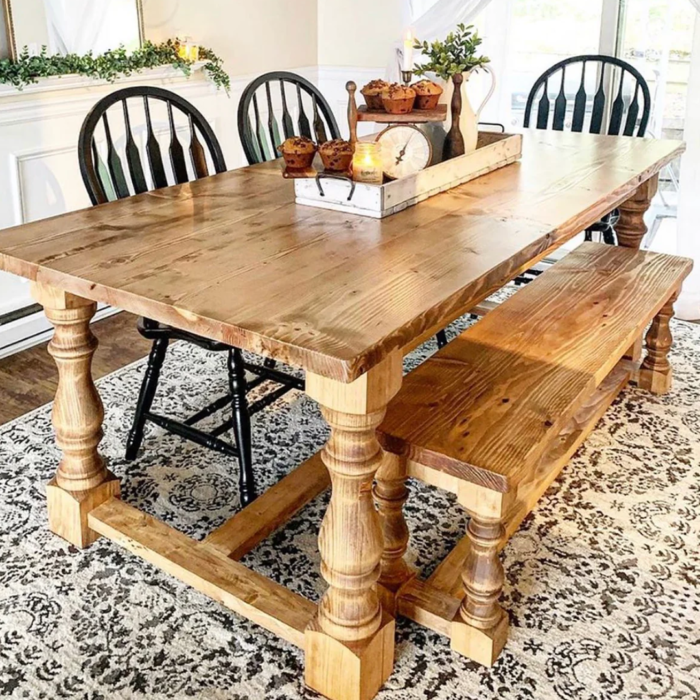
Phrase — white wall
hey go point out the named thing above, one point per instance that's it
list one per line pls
(358, 32)
(252, 37)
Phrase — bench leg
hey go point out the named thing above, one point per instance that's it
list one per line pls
(480, 628)
(656, 372)
(390, 494)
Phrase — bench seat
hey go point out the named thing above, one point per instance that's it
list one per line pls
(496, 414)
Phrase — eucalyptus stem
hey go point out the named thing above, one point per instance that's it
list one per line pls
(456, 54)
(109, 66)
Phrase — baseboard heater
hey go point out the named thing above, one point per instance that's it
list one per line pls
(23, 328)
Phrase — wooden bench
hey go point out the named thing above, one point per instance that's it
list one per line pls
(495, 415)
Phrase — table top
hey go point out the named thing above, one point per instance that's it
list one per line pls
(233, 258)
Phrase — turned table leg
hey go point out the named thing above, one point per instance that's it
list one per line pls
(82, 481)
(631, 229)
(350, 645)
(656, 372)
(390, 495)
(480, 628)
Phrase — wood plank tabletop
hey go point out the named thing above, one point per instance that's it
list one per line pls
(232, 257)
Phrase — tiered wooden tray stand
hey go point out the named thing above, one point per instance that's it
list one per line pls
(362, 114)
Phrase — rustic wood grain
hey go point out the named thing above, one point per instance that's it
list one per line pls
(228, 582)
(486, 406)
(429, 606)
(417, 116)
(655, 374)
(250, 526)
(233, 258)
(480, 628)
(350, 645)
(571, 437)
(82, 480)
(447, 577)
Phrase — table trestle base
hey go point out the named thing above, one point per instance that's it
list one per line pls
(206, 569)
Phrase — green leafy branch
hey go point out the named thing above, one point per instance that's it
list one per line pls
(110, 66)
(456, 54)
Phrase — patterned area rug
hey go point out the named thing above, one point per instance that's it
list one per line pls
(603, 580)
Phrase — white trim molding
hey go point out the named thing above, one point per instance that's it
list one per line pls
(27, 332)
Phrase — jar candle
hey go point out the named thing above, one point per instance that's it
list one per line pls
(188, 50)
(367, 163)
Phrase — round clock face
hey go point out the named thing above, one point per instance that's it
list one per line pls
(406, 150)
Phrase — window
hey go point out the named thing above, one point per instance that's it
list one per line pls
(656, 36)
(543, 32)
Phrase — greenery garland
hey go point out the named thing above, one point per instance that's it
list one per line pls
(110, 65)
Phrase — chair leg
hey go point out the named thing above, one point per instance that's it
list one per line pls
(588, 235)
(241, 425)
(146, 396)
(441, 338)
(609, 236)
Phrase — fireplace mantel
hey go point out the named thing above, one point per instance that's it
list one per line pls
(166, 74)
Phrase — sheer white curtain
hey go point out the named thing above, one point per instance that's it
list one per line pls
(434, 19)
(688, 232)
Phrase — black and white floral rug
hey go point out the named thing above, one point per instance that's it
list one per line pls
(603, 580)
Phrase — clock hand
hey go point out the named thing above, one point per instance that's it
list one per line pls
(402, 152)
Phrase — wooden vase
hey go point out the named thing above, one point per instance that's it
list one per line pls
(454, 142)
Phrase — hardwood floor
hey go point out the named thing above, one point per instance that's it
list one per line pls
(28, 379)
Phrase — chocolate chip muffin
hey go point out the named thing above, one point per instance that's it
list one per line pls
(298, 152)
(398, 99)
(336, 155)
(427, 94)
(372, 92)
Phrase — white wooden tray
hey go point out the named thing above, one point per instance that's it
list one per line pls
(493, 151)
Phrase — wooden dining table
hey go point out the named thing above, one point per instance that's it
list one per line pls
(233, 258)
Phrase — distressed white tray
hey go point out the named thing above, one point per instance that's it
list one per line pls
(493, 151)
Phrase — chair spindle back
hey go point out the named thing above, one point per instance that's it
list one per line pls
(102, 163)
(279, 98)
(607, 95)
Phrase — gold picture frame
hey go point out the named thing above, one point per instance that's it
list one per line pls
(9, 29)
(12, 48)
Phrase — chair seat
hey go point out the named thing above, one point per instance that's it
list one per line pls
(153, 330)
(486, 407)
